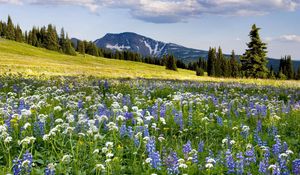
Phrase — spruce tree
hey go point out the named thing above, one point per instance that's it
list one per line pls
(1, 29)
(68, 48)
(289, 68)
(254, 62)
(10, 30)
(171, 63)
(92, 49)
(18, 34)
(211, 61)
(234, 68)
(80, 47)
(62, 41)
(52, 38)
(298, 74)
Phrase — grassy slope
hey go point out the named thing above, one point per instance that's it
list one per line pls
(22, 58)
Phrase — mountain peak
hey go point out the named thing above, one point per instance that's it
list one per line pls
(146, 46)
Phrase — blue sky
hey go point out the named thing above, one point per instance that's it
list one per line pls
(192, 23)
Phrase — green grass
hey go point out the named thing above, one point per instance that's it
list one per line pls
(31, 61)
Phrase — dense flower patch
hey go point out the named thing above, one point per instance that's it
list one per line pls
(72, 126)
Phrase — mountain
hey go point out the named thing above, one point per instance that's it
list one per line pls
(147, 46)
(150, 47)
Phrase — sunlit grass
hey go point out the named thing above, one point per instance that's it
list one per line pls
(31, 61)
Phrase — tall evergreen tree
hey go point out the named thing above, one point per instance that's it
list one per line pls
(298, 74)
(211, 61)
(62, 41)
(92, 49)
(234, 68)
(80, 47)
(254, 62)
(10, 30)
(171, 63)
(52, 38)
(68, 48)
(1, 29)
(219, 66)
(289, 68)
(18, 34)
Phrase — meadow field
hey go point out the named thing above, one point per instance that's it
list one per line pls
(85, 115)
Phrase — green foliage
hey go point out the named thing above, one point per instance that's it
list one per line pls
(211, 62)
(52, 38)
(286, 67)
(234, 66)
(171, 63)
(80, 47)
(199, 71)
(254, 59)
(10, 30)
(19, 34)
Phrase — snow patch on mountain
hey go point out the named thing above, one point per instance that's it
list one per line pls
(117, 47)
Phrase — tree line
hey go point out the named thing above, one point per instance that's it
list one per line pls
(48, 38)
(253, 63)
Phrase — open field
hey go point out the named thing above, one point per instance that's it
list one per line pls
(147, 126)
(54, 120)
(27, 60)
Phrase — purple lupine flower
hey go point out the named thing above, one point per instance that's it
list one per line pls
(239, 163)
(136, 142)
(250, 156)
(155, 160)
(277, 147)
(219, 121)
(150, 146)
(187, 148)
(146, 132)
(123, 130)
(264, 164)
(80, 104)
(263, 167)
(200, 146)
(190, 117)
(24, 165)
(172, 163)
(230, 162)
(179, 120)
(282, 164)
(275, 169)
(285, 147)
(195, 158)
(296, 166)
(129, 131)
(259, 126)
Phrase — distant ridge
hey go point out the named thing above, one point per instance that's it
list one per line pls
(149, 47)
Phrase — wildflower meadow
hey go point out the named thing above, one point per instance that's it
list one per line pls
(96, 126)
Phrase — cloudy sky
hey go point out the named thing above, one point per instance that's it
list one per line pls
(192, 23)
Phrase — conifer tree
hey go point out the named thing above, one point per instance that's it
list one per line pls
(62, 41)
(52, 38)
(234, 68)
(18, 34)
(298, 74)
(289, 68)
(254, 62)
(68, 48)
(171, 63)
(1, 28)
(211, 61)
(92, 49)
(80, 47)
(10, 30)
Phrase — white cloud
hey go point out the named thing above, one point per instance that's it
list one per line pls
(170, 11)
(285, 38)
(17, 2)
(290, 38)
